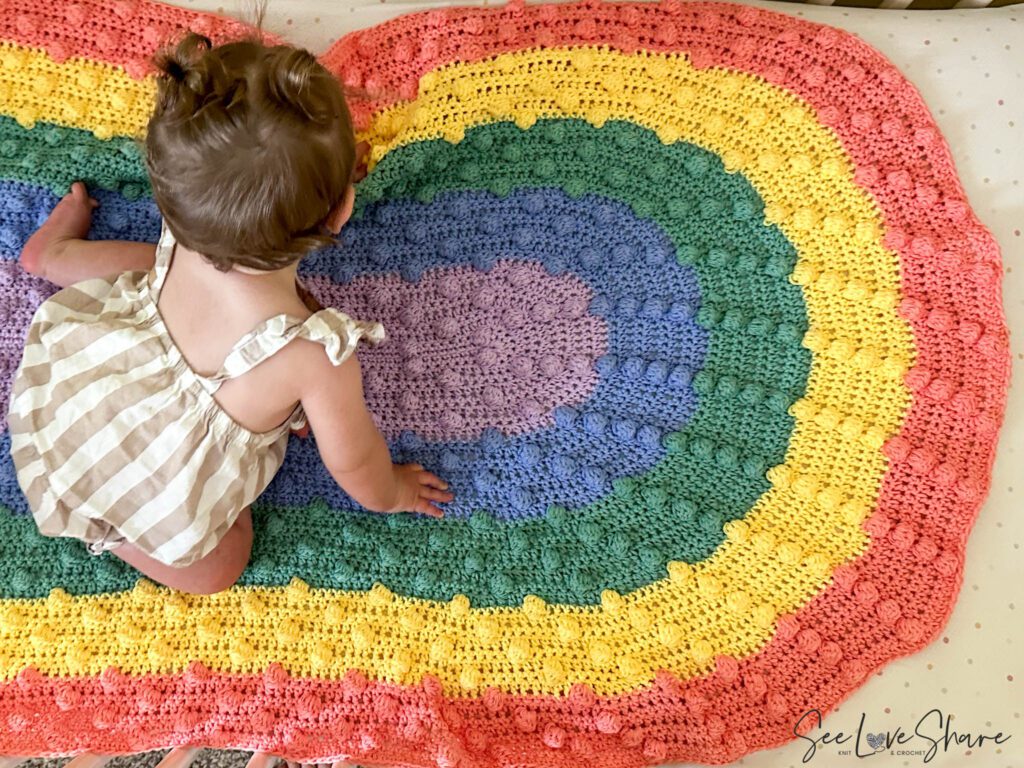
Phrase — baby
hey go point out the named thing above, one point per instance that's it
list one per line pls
(158, 389)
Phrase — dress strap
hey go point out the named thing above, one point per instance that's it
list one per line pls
(162, 264)
(339, 333)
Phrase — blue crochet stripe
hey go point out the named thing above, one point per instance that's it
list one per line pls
(23, 207)
(655, 344)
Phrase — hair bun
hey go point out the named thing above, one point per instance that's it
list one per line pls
(290, 75)
(182, 68)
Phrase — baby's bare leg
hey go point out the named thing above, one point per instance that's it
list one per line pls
(213, 573)
(59, 253)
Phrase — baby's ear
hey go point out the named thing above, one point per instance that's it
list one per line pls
(341, 212)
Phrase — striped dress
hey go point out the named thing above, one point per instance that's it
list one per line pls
(115, 438)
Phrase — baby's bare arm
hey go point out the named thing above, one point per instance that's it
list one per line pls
(59, 252)
(72, 261)
(353, 449)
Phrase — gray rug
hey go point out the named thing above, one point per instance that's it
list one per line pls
(208, 758)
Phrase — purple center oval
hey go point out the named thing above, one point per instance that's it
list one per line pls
(467, 349)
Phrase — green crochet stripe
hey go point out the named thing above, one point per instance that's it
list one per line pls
(713, 470)
(53, 157)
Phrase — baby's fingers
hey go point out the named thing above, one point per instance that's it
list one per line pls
(424, 507)
(79, 192)
(362, 156)
(429, 478)
(426, 492)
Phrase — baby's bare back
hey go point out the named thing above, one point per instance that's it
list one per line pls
(207, 312)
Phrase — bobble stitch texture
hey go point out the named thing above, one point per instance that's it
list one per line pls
(579, 327)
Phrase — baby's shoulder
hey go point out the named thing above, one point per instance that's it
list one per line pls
(322, 353)
(338, 332)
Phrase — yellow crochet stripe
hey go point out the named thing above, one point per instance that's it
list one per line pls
(78, 93)
(773, 562)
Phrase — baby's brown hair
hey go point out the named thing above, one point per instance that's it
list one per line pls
(249, 148)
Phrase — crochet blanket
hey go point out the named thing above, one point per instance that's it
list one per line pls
(686, 302)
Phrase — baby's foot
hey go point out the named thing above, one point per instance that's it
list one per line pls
(69, 220)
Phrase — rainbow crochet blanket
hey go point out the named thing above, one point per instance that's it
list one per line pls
(685, 300)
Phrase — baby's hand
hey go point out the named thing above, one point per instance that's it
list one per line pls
(417, 488)
(362, 159)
